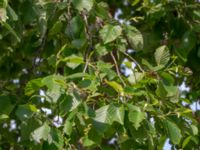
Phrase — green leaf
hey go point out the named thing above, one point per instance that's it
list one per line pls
(87, 142)
(32, 86)
(119, 115)
(25, 111)
(101, 50)
(136, 117)
(101, 10)
(53, 81)
(73, 61)
(55, 139)
(83, 4)
(186, 141)
(194, 129)
(135, 2)
(69, 103)
(57, 27)
(106, 70)
(156, 68)
(3, 3)
(77, 75)
(109, 33)
(11, 30)
(28, 127)
(5, 105)
(3, 116)
(79, 43)
(68, 126)
(116, 86)
(53, 95)
(162, 55)
(106, 115)
(135, 77)
(135, 37)
(173, 131)
(41, 133)
(11, 13)
(3, 14)
(187, 44)
(76, 26)
(110, 113)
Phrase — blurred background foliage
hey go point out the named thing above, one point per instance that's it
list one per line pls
(99, 74)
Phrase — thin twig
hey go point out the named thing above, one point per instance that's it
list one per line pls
(86, 65)
(131, 58)
(39, 52)
(117, 68)
(89, 38)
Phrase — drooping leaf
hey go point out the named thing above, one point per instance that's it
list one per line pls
(135, 37)
(186, 141)
(109, 33)
(73, 61)
(77, 75)
(162, 55)
(116, 86)
(135, 2)
(12, 14)
(68, 126)
(173, 131)
(11, 30)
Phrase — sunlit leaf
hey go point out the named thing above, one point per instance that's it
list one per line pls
(41, 133)
(162, 55)
(109, 33)
(83, 4)
(173, 131)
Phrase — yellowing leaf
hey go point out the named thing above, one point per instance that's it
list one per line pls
(116, 86)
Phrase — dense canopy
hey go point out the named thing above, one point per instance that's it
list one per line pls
(99, 74)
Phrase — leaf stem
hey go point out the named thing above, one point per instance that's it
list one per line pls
(131, 58)
(117, 68)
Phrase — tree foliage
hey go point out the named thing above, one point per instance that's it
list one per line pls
(70, 57)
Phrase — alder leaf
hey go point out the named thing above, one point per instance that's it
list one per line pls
(109, 33)
(162, 55)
